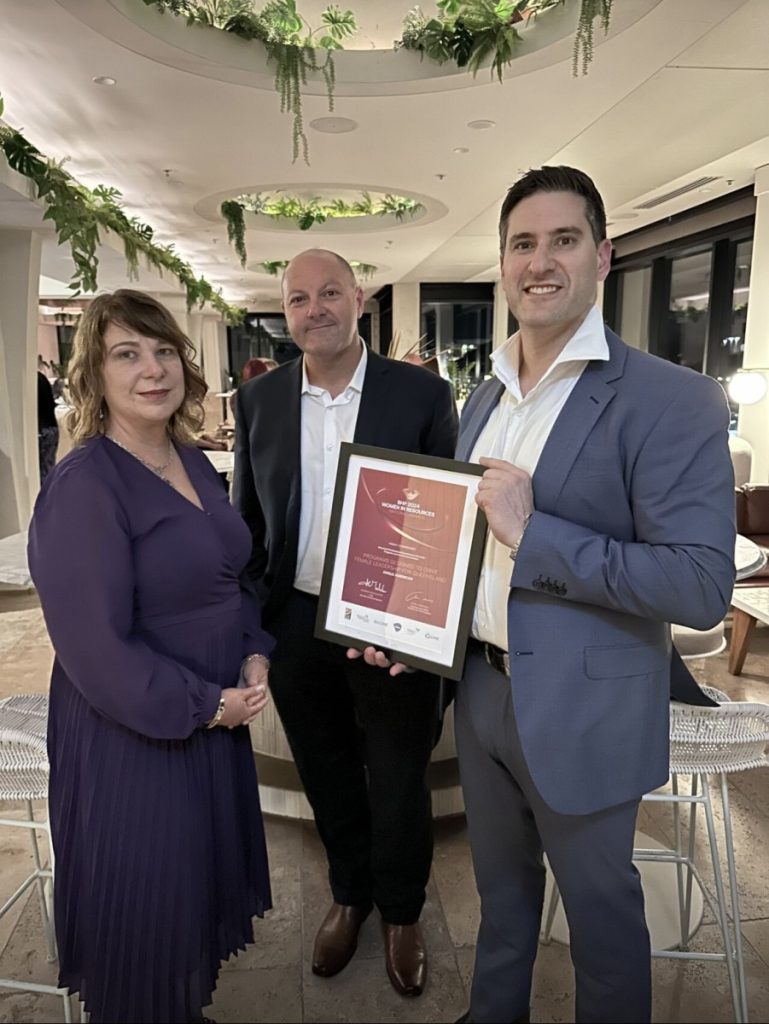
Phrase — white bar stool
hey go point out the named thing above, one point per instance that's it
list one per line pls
(24, 777)
(706, 741)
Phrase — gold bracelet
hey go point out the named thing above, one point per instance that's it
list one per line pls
(218, 716)
(256, 657)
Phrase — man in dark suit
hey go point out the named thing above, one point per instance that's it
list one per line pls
(361, 739)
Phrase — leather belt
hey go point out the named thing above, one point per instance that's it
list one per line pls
(495, 656)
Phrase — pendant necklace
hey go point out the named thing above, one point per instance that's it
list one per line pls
(159, 471)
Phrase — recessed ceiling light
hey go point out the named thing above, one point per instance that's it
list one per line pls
(440, 177)
(624, 216)
(334, 125)
(481, 124)
(461, 149)
(104, 80)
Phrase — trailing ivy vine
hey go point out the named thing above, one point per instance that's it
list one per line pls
(293, 48)
(467, 32)
(79, 214)
(365, 271)
(306, 213)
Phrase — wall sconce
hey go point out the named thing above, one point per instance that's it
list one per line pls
(748, 386)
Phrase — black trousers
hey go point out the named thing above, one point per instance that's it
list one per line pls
(361, 740)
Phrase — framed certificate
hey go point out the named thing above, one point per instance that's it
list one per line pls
(404, 553)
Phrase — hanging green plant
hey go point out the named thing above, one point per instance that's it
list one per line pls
(306, 213)
(317, 210)
(234, 216)
(467, 32)
(365, 271)
(79, 213)
(472, 32)
(293, 48)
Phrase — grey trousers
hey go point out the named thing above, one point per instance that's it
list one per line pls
(590, 855)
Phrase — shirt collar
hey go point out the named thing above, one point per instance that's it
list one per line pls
(356, 381)
(588, 342)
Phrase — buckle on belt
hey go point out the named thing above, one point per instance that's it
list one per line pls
(497, 658)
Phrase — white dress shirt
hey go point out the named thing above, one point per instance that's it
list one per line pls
(325, 423)
(516, 431)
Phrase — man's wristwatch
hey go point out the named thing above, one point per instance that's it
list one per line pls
(515, 548)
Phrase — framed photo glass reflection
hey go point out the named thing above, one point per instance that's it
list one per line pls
(404, 552)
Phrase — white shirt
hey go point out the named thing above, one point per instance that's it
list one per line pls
(516, 431)
(325, 423)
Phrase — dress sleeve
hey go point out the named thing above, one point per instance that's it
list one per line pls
(81, 560)
(255, 639)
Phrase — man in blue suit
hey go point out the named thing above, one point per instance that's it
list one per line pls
(609, 484)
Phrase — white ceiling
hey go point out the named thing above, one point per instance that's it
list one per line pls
(678, 90)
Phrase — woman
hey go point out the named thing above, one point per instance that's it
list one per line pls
(137, 555)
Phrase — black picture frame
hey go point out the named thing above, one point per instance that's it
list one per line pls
(451, 639)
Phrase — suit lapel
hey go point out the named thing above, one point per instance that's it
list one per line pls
(591, 394)
(373, 402)
(288, 415)
(474, 422)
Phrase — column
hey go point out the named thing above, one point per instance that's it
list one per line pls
(754, 419)
(406, 319)
(19, 293)
(213, 341)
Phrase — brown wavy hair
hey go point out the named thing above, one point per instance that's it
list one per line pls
(138, 312)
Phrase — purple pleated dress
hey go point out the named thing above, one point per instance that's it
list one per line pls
(160, 851)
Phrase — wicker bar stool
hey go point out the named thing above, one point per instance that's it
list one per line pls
(24, 777)
(706, 741)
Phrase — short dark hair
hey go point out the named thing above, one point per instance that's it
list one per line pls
(555, 179)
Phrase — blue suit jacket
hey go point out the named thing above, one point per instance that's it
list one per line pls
(633, 529)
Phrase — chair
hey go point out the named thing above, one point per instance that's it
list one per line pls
(698, 643)
(752, 518)
(706, 741)
(24, 777)
(741, 452)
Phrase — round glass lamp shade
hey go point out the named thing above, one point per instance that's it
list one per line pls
(747, 387)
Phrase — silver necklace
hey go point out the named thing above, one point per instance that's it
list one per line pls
(157, 470)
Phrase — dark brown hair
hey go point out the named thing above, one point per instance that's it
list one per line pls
(555, 179)
(138, 312)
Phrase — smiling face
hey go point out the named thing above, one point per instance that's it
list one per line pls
(322, 304)
(551, 264)
(143, 379)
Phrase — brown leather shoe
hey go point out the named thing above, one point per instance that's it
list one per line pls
(337, 939)
(405, 957)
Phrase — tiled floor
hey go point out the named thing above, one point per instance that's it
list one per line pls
(273, 982)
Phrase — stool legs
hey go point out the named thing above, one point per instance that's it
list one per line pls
(731, 934)
(42, 879)
(43, 884)
(735, 898)
(723, 915)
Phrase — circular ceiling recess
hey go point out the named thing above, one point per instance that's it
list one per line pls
(167, 39)
(334, 125)
(325, 207)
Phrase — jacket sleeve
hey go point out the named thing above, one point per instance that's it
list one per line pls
(679, 567)
(81, 560)
(244, 496)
